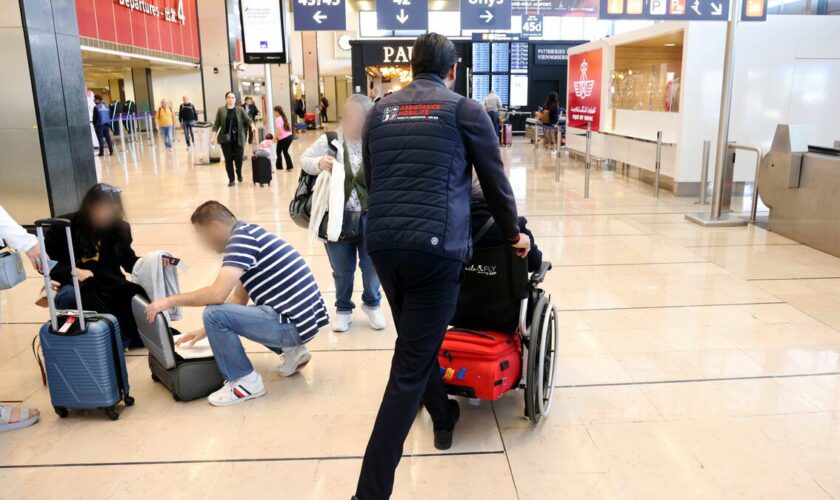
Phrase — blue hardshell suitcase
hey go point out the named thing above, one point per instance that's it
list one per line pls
(85, 362)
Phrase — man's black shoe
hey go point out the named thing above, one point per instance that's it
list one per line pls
(443, 438)
(231, 183)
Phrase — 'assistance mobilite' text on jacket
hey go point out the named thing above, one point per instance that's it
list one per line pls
(420, 145)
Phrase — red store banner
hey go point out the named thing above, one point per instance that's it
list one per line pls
(584, 104)
(169, 26)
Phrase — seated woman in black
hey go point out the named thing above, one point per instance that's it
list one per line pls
(102, 245)
(479, 213)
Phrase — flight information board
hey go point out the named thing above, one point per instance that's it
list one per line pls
(519, 57)
(480, 87)
(481, 57)
(501, 57)
(518, 90)
(501, 86)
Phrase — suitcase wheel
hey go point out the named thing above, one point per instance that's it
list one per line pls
(155, 378)
(175, 397)
(112, 413)
(61, 411)
(129, 401)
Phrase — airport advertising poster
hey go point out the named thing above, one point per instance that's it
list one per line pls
(581, 8)
(584, 104)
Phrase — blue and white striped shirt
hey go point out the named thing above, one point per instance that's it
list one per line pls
(277, 276)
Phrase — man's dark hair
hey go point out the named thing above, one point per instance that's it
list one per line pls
(212, 211)
(97, 97)
(433, 53)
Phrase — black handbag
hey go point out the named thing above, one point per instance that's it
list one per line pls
(351, 226)
(300, 208)
(223, 138)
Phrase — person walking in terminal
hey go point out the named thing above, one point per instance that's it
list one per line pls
(288, 308)
(550, 117)
(340, 153)
(165, 117)
(187, 116)
(418, 148)
(284, 138)
(102, 125)
(253, 112)
(492, 104)
(325, 104)
(230, 131)
(15, 236)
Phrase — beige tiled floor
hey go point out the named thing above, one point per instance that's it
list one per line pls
(694, 363)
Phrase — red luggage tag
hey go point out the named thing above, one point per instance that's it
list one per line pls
(68, 322)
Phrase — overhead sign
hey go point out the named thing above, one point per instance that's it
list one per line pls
(485, 14)
(584, 103)
(168, 26)
(579, 8)
(754, 10)
(402, 15)
(550, 54)
(320, 15)
(263, 31)
(532, 25)
(667, 10)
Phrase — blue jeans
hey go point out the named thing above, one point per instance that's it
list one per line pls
(65, 298)
(188, 132)
(225, 323)
(342, 255)
(166, 132)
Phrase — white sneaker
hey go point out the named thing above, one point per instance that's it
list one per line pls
(342, 322)
(293, 360)
(248, 387)
(375, 317)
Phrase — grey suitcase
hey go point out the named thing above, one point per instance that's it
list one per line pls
(83, 352)
(186, 379)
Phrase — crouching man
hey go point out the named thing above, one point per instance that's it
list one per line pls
(288, 309)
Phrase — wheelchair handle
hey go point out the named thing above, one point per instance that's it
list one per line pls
(539, 274)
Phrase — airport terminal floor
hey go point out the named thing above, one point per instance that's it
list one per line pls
(694, 363)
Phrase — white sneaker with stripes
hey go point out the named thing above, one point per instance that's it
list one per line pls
(248, 387)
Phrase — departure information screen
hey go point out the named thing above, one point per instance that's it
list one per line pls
(501, 57)
(518, 57)
(501, 86)
(518, 90)
(481, 57)
(480, 87)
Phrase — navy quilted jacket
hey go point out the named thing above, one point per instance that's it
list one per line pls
(420, 145)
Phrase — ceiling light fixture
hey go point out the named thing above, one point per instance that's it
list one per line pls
(137, 56)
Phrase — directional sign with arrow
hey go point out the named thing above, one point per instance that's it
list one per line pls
(682, 10)
(320, 15)
(485, 14)
(407, 15)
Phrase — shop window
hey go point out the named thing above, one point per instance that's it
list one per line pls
(647, 74)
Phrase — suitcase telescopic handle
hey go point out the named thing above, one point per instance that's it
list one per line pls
(39, 229)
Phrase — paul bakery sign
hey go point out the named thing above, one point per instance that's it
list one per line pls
(168, 26)
(585, 90)
(388, 54)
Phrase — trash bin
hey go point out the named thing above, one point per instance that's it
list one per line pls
(201, 144)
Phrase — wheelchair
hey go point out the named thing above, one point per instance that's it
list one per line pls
(498, 295)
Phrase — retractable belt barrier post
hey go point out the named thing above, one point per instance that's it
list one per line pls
(536, 151)
(658, 166)
(121, 131)
(704, 172)
(722, 193)
(151, 129)
(588, 165)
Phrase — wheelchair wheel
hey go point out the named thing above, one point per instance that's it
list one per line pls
(542, 361)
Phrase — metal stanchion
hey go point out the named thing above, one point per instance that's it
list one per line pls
(151, 130)
(588, 160)
(658, 164)
(121, 131)
(704, 172)
(536, 151)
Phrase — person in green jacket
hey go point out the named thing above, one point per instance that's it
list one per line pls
(230, 130)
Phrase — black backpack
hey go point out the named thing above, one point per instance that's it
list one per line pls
(300, 208)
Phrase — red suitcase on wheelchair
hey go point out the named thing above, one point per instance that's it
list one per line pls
(478, 364)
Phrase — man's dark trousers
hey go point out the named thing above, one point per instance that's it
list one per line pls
(103, 135)
(422, 290)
